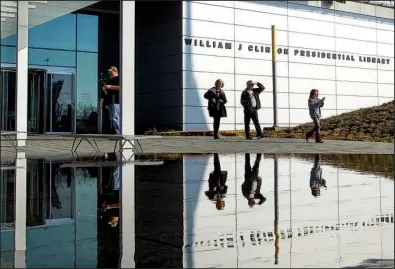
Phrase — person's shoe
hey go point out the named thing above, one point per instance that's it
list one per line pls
(261, 201)
(308, 135)
(260, 136)
(216, 137)
(249, 137)
(318, 138)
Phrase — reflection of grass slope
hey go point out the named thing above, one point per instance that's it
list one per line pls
(380, 165)
(366, 124)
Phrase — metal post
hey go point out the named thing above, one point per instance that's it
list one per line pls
(276, 234)
(274, 74)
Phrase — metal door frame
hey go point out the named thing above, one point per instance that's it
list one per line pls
(60, 71)
(4, 104)
(54, 70)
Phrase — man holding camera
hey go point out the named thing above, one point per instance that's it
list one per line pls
(251, 104)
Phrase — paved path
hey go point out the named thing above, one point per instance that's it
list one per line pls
(55, 146)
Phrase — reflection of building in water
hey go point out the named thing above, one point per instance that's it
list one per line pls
(61, 215)
(159, 210)
(49, 194)
(331, 225)
(65, 205)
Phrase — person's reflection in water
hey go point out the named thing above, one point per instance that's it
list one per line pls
(108, 226)
(217, 184)
(251, 188)
(316, 180)
(112, 205)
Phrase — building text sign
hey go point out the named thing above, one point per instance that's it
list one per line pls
(281, 50)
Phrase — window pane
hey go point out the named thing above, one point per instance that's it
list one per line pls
(52, 57)
(7, 216)
(87, 92)
(59, 33)
(9, 40)
(61, 193)
(8, 54)
(8, 32)
(87, 32)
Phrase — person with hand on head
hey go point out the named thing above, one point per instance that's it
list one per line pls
(251, 104)
(315, 105)
(251, 187)
(216, 104)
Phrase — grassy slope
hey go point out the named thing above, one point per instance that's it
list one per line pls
(366, 124)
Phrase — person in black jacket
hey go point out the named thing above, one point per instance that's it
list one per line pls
(251, 103)
(216, 104)
(217, 188)
(251, 187)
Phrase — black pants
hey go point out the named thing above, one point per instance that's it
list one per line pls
(251, 173)
(247, 118)
(217, 121)
(316, 128)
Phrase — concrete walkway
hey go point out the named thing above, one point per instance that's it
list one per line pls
(54, 146)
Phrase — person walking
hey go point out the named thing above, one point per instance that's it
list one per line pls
(315, 105)
(216, 104)
(111, 94)
(251, 104)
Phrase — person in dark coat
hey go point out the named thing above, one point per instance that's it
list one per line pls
(251, 104)
(316, 180)
(217, 184)
(251, 187)
(216, 104)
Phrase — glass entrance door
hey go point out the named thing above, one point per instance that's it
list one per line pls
(33, 103)
(59, 95)
(7, 100)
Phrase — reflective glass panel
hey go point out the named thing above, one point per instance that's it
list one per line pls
(8, 54)
(59, 33)
(87, 32)
(87, 92)
(51, 57)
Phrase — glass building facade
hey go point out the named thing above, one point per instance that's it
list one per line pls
(65, 60)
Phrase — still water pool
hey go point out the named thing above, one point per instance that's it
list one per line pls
(190, 211)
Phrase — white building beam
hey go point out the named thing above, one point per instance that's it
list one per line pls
(20, 211)
(21, 72)
(127, 211)
(127, 67)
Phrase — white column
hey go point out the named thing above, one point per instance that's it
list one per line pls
(127, 212)
(127, 67)
(20, 211)
(21, 72)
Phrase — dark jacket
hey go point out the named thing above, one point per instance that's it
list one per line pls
(217, 179)
(218, 108)
(246, 101)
